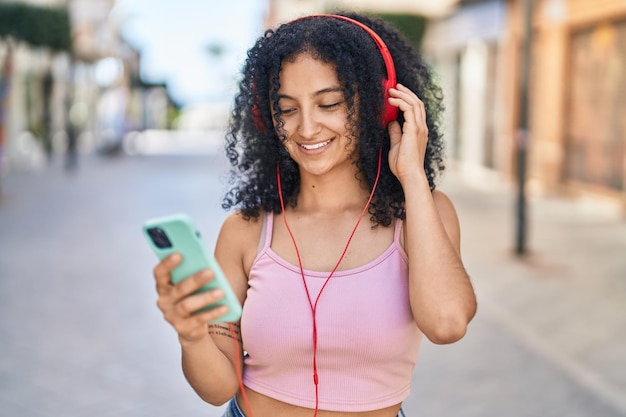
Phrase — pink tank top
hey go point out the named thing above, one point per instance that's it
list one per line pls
(368, 341)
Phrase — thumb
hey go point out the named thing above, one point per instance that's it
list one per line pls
(395, 132)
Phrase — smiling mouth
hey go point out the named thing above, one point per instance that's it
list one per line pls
(315, 145)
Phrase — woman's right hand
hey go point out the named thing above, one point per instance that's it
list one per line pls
(177, 303)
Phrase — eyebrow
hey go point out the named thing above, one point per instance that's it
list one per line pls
(317, 93)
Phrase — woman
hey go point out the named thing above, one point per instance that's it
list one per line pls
(341, 251)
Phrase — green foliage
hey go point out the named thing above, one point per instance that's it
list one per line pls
(38, 26)
(215, 50)
(411, 26)
(173, 113)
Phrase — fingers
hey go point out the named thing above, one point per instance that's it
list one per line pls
(414, 112)
(189, 285)
(162, 272)
(407, 101)
(180, 303)
(196, 328)
(188, 308)
(395, 132)
(408, 143)
(190, 304)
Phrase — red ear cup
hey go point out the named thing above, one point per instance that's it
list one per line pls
(257, 119)
(390, 113)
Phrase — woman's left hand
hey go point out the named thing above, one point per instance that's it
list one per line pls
(408, 144)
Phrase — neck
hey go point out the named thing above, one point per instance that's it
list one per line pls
(339, 192)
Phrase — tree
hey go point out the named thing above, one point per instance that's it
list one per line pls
(44, 27)
(411, 26)
(47, 27)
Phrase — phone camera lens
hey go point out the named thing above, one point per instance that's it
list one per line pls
(159, 238)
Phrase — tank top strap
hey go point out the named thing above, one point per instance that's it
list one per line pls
(265, 240)
(397, 231)
(266, 233)
(397, 241)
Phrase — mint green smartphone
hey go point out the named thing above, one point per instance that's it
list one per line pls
(178, 233)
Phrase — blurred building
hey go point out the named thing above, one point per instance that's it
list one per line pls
(577, 91)
(579, 96)
(67, 102)
(475, 50)
(280, 11)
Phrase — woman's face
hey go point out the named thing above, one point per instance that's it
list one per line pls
(313, 108)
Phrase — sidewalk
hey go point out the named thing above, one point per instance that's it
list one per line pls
(566, 299)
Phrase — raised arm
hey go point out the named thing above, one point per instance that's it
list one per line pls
(441, 294)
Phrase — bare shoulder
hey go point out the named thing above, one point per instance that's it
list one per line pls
(238, 240)
(236, 223)
(444, 204)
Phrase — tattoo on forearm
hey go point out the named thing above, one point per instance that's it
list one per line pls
(223, 329)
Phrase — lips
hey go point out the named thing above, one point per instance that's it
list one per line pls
(314, 146)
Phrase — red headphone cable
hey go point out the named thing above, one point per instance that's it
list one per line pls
(239, 369)
(311, 304)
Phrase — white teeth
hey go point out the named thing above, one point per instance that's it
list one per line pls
(315, 146)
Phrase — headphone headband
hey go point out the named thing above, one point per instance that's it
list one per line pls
(384, 51)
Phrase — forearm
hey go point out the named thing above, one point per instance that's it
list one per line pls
(209, 372)
(442, 297)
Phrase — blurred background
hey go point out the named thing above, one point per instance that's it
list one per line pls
(113, 111)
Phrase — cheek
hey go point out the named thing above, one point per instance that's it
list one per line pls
(289, 127)
(351, 149)
(291, 147)
(285, 134)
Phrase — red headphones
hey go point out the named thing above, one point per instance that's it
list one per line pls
(390, 113)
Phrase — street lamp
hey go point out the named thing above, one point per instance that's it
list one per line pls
(523, 135)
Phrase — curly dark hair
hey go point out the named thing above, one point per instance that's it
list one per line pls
(254, 146)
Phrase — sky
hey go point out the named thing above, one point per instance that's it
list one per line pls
(174, 36)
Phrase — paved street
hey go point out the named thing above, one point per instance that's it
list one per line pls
(80, 334)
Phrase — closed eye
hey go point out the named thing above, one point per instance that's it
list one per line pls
(331, 106)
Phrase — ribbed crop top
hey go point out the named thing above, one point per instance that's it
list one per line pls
(368, 341)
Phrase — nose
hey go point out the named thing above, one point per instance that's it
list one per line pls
(308, 126)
